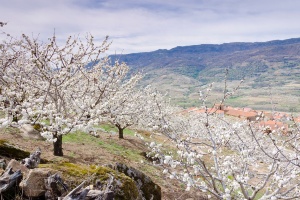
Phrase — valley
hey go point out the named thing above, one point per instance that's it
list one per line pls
(270, 70)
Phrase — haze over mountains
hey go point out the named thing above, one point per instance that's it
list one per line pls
(271, 71)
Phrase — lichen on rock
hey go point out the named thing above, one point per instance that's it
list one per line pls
(73, 174)
(146, 187)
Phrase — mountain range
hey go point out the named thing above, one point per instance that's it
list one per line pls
(271, 72)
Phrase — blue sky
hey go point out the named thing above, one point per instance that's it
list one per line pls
(146, 25)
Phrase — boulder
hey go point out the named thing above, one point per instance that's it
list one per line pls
(15, 165)
(121, 186)
(77, 193)
(146, 187)
(55, 186)
(34, 183)
(11, 151)
(28, 131)
(33, 160)
(98, 194)
(9, 181)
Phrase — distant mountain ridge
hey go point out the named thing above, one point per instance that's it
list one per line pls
(203, 49)
(263, 64)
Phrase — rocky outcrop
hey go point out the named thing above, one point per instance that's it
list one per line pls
(28, 131)
(55, 186)
(11, 151)
(10, 179)
(33, 160)
(146, 187)
(8, 150)
(34, 183)
(119, 182)
(102, 181)
(15, 165)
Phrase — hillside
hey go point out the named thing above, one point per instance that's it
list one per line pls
(268, 68)
(85, 150)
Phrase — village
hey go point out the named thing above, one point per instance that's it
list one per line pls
(266, 120)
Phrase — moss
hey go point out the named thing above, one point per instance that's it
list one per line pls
(2, 142)
(129, 188)
(74, 174)
(148, 187)
(37, 127)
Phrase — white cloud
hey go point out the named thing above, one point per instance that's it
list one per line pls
(152, 24)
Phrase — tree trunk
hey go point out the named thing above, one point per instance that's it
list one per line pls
(121, 132)
(58, 146)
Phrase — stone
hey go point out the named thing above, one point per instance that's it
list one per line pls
(146, 187)
(11, 151)
(9, 179)
(123, 186)
(8, 183)
(33, 160)
(77, 193)
(34, 183)
(3, 164)
(92, 193)
(55, 186)
(1, 171)
(15, 165)
(27, 131)
(98, 194)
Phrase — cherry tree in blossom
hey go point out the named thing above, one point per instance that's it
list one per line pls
(60, 88)
(228, 158)
(126, 107)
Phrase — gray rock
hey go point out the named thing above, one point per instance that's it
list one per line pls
(33, 160)
(15, 165)
(34, 184)
(55, 186)
(77, 193)
(9, 179)
(2, 164)
(27, 131)
(146, 187)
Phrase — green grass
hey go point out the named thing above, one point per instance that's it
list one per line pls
(117, 149)
(110, 127)
(111, 145)
(79, 137)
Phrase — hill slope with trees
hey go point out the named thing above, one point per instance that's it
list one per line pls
(263, 65)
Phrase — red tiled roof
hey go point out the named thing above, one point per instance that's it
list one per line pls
(210, 111)
(240, 113)
(273, 125)
(297, 119)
